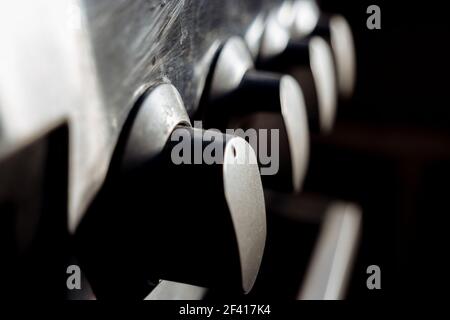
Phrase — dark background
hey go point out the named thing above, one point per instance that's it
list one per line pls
(390, 151)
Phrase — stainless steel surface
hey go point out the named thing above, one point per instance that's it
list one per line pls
(47, 77)
(86, 62)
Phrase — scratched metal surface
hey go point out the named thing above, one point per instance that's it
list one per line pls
(84, 62)
(140, 42)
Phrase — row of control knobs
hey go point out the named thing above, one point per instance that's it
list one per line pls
(205, 224)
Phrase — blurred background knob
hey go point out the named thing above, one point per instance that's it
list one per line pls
(289, 44)
(307, 20)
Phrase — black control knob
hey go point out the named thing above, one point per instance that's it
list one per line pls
(180, 204)
(240, 97)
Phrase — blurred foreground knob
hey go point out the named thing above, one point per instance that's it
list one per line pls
(239, 97)
(180, 204)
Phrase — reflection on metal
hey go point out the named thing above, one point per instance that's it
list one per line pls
(168, 290)
(47, 76)
(332, 260)
(162, 111)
